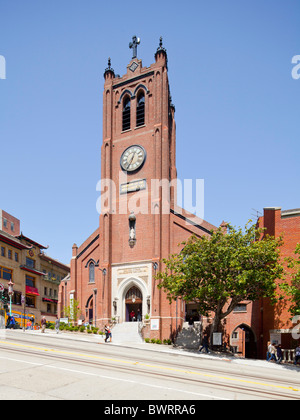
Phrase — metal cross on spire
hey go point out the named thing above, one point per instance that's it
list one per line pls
(135, 42)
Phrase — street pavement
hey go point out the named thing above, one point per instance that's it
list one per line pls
(160, 348)
(71, 366)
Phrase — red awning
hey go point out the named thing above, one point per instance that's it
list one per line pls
(49, 300)
(32, 291)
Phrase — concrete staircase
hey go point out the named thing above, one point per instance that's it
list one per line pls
(128, 332)
(189, 338)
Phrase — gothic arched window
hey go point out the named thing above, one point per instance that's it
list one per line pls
(140, 110)
(134, 294)
(126, 114)
(92, 273)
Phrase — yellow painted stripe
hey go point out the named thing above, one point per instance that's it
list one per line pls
(188, 372)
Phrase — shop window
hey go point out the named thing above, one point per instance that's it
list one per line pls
(30, 263)
(30, 301)
(30, 281)
(5, 273)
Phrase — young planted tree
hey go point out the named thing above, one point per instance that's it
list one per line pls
(222, 270)
(73, 310)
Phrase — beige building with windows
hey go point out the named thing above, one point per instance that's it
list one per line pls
(35, 275)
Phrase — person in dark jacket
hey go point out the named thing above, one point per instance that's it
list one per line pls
(108, 334)
(12, 323)
(297, 355)
(204, 344)
(279, 354)
(8, 321)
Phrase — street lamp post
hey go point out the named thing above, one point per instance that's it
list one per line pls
(10, 294)
(104, 272)
(95, 298)
(66, 284)
(23, 302)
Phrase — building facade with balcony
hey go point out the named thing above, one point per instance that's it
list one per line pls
(35, 275)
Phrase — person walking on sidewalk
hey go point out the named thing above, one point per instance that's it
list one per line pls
(297, 355)
(43, 324)
(279, 354)
(12, 323)
(139, 316)
(268, 350)
(57, 325)
(191, 324)
(272, 351)
(108, 334)
(132, 316)
(204, 344)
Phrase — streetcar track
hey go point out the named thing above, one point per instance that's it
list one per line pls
(137, 369)
(174, 365)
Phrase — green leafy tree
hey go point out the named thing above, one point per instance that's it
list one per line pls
(293, 288)
(220, 271)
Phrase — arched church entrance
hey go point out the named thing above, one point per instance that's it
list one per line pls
(132, 295)
(133, 305)
(90, 310)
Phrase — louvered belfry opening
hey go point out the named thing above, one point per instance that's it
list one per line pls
(140, 110)
(126, 114)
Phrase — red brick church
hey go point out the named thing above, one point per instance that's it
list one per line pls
(113, 271)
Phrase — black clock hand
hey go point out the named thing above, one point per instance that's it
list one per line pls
(130, 161)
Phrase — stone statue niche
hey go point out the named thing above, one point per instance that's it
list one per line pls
(132, 230)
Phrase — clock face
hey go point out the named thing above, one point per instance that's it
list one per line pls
(133, 158)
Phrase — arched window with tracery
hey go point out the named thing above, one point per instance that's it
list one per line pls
(134, 294)
(92, 273)
(140, 109)
(126, 113)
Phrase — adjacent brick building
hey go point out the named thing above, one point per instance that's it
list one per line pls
(276, 319)
(253, 324)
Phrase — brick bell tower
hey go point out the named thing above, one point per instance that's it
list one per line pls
(113, 271)
(137, 153)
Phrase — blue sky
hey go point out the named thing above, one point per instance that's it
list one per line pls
(237, 105)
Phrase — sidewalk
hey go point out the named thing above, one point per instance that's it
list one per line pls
(160, 348)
